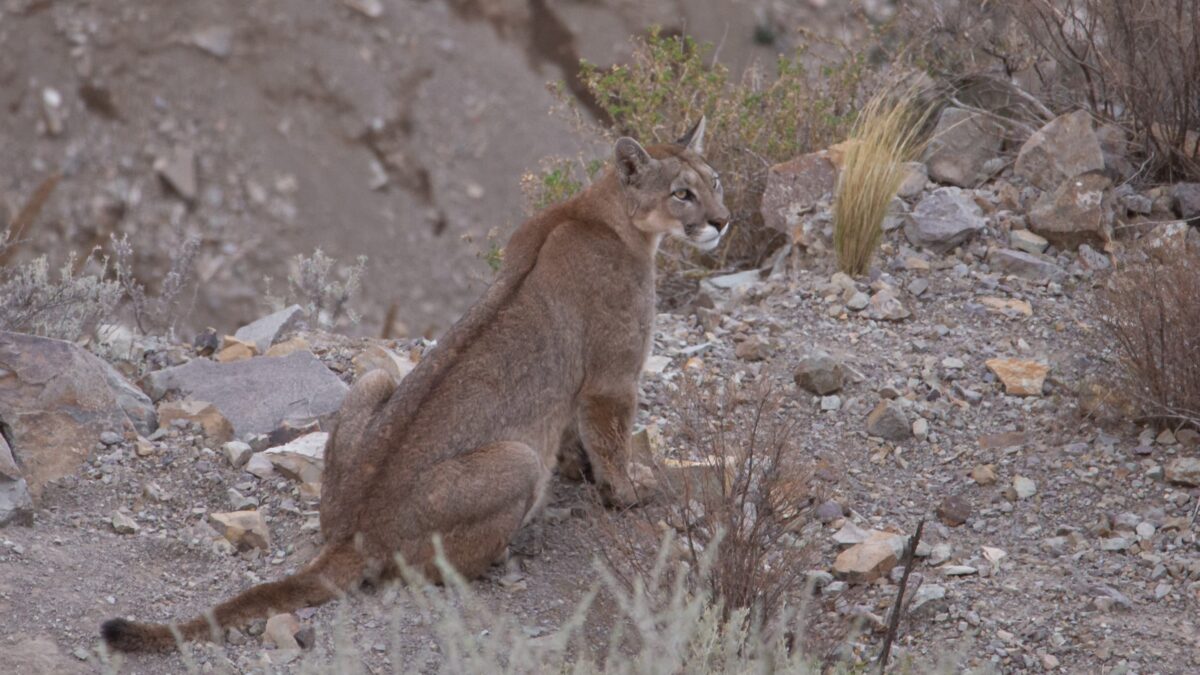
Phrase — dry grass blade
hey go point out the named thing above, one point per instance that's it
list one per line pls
(888, 133)
(26, 216)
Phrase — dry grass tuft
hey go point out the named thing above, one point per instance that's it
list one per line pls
(887, 134)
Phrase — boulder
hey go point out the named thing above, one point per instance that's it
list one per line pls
(886, 306)
(1183, 471)
(820, 373)
(1063, 149)
(256, 395)
(889, 422)
(944, 219)
(55, 401)
(1185, 200)
(1020, 377)
(243, 529)
(1027, 266)
(16, 504)
(873, 558)
(1024, 240)
(795, 187)
(1080, 211)
(962, 144)
(301, 460)
(265, 331)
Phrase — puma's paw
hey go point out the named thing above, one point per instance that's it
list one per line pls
(638, 486)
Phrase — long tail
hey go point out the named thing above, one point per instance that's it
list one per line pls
(326, 577)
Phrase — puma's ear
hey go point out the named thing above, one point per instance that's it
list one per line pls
(632, 159)
(694, 139)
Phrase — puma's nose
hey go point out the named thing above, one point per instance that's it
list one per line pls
(720, 224)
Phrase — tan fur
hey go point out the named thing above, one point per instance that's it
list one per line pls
(465, 446)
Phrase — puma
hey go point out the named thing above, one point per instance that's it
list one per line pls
(465, 445)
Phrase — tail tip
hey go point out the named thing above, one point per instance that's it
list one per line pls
(117, 633)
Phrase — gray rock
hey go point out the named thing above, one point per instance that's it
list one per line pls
(216, 40)
(133, 401)
(123, 524)
(889, 422)
(265, 331)
(795, 187)
(943, 219)
(1024, 487)
(1063, 149)
(931, 597)
(178, 170)
(16, 505)
(829, 511)
(55, 402)
(886, 306)
(820, 373)
(1024, 240)
(916, 176)
(237, 452)
(1079, 211)
(1185, 199)
(1027, 266)
(962, 144)
(256, 395)
(110, 438)
(1184, 471)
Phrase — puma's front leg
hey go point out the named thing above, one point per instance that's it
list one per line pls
(605, 422)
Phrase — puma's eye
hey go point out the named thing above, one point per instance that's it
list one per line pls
(682, 195)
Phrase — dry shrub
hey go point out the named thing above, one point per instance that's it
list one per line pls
(1151, 312)
(753, 122)
(887, 134)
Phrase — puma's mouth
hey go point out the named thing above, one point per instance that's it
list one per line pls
(704, 237)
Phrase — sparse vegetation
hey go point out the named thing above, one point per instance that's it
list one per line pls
(323, 287)
(164, 310)
(753, 122)
(887, 134)
(1151, 312)
(68, 307)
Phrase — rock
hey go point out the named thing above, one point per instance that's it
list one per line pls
(111, 438)
(123, 524)
(237, 452)
(929, 596)
(55, 401)
(940, 553)
(1079, 211)
(994, 555)
(828, 511)
(1024, 240)
(54, 114)
(889, 422)
(1167, 241)
(289, 346)
(281, 631)
(263, 332)
(16, 504)
(961, 145)
(1185, 199)
(1023, 487)
(216, 40)
(916, 176)
(215, 425)
(959, 570)
(920, 428)
(233, 349)
(1007, 306)
(143, 447)
(1030, 267)
(944, 219)
(1115, 543)
(1183, 471)
(886, 306)
(729, 282)
(858, 301)
(256, 395)
(302, 460)
(753, 348)
(380, 358)
(260, 466)
(239, 501)
(1063, 149)
(1020, 377)
(954, 510)
(850, 534)
(831, 403)
(206, 341)
(133, 402)
(871, 559)
(369, 8)
(819, 373)
(984, 474)
(243, 529)
(794, 188)
(178, 171)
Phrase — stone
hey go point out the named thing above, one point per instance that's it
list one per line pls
(256, 395)
(940, 553)
(263, 332)
(885, 305)
(1080, 211)
(281, 631)
(1029, 242)
(1167, 241)
(1010, 307)
(301, 460)
(1183, 471)
(233, 349)
(376, 357)
(1019, 377)
(1185, 200)
(871, 559)
(55, 400)
(850, 534)
(1027, 266)
(177, 169)
(959, 570)
(237, 452)
(1066, 147)
(123, 524)
(243, 529)
(954, 510)
(831, 403)
(1023, 487)
(133, 402)
(1115, 543)
(945, 218)
(215, 40)
(984, 474)
(820, 373)
(288, 346)
(259, 466)
(828, 511)
(916, 176)
(794, 188)
(215, 425)
(961, 146)
(753, 348)
(931, 596)
(858, 301)
(369, 8)
(206, 341)
(16, 504)
(889, 422)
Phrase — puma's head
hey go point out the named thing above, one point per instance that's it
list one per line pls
(672, 190)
